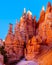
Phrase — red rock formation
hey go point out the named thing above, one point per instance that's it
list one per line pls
(32, 49)
(18, 44)
(29, 24)
(44, 36)
(26, 26)
(48, 5)
(9, 42)
(45, 30)
(42, 16)
(34, 25)
(14, 44)
(46, 59)
(30, 35)
(9, 37)
(23, 29)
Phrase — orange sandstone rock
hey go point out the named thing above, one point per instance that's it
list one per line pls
(32, 49)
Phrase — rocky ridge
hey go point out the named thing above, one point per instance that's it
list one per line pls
(31, 39)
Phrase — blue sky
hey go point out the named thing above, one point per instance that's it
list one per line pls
(10, 10)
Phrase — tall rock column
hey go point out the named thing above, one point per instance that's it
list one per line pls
(18, 43)
(29, 24)
(42, 16)
(23, 29)
(9, 43)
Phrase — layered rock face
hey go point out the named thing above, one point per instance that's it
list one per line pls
(30, 38)
(32, 49)
(45, 28)
(14, 45)
(42, 16)
(9, 42)
(43, 36)
(23, 31)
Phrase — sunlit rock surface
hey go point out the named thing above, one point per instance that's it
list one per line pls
(32, 49)
(45, 29)
(30, 39)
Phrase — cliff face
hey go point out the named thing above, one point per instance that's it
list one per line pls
(32, 49)
(45, 29)
(29, 37)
